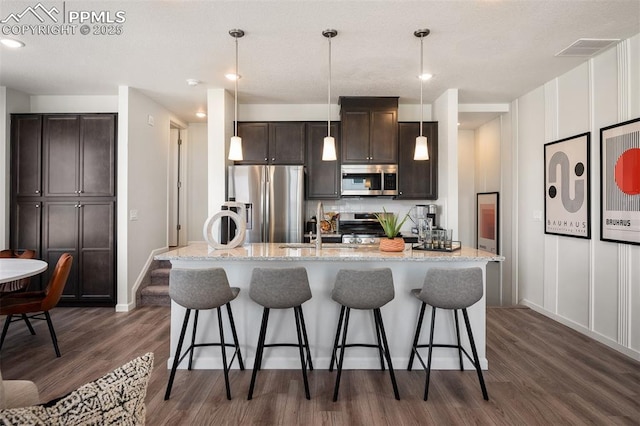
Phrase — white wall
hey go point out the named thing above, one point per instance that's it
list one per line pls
(590, 285)
(196, 181)
(73, 104)
(466, 187)
(143, 152)
(11, 101)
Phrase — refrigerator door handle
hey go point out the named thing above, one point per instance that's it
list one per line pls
(265, 205)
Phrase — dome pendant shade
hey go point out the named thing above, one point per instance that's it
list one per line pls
(421, 152)
(329, 149)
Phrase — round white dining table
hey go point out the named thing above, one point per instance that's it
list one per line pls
(12, 269)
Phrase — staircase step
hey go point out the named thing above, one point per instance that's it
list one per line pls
(160, 277)
(155, 295)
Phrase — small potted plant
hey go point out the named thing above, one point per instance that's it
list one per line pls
(391, 225)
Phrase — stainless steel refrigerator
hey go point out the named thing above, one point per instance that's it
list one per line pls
(274, 198)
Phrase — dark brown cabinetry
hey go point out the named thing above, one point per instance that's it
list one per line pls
(63, 198)
(272, 142)
(322, 177)
(369, 129)
(417, 179)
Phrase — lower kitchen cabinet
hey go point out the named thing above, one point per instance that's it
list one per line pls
(417, 180)
(85, 229)
(322, 177)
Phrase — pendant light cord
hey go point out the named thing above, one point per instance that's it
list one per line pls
(421, 79)
(235, 128)
(329, 94)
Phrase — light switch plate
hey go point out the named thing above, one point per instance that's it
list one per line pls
(133, 215)
(537, 215)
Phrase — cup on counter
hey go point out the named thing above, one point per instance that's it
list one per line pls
(447, 239)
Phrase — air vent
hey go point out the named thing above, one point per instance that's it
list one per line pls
(588, 46)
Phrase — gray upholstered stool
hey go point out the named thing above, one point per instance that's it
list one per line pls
(200, 289)
(449, 289)
(281, 288)
(363, 289)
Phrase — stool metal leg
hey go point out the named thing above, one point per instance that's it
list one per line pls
(380, 351)
(342, 347)
(176, 356)
(433, 322)
(259, 349)
(7, 321)
(475, 355)
(306, 339)
(193, 338)
(25, 318)
(54, 339)
(225, 367)
(337, 340)
(455, 316)
(235, 336)
(415, 339)
(297, 312)
(378, 317)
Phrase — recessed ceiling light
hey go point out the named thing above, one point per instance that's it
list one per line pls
(193, 82)
(425, 76)
(233, 77)
(9, 42)
(200, 114)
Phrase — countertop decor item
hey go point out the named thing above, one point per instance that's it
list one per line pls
(391, 225)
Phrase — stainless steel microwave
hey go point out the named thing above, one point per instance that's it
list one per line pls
(369, 180)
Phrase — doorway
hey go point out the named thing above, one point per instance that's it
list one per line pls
(177, 206)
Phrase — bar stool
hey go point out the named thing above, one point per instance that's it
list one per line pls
(281, 288)
(200, 289)
(454, 289)
(362, 289)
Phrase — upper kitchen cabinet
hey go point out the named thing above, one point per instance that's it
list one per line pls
(85, 144)
(369, 130)
(417, 179)
(272, 142)
(322, 177)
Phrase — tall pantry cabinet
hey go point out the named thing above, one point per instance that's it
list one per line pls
(63, 174)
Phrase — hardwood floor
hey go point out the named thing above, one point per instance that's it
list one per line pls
(540, 373)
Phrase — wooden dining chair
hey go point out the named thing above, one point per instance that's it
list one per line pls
(37, 304)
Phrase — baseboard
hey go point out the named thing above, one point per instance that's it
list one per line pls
(583, 330)
(125, 307)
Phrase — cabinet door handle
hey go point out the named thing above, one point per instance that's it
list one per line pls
(273, 159)
(37, 191)
(37, 206)
(265, 159)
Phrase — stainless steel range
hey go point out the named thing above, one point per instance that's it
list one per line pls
(360, 228)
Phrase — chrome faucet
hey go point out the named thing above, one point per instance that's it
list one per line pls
(319, 219)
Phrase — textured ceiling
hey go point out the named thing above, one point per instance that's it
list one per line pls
(493, 51)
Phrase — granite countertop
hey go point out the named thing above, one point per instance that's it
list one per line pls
(329, 252)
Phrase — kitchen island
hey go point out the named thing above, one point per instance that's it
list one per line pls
(321, 312)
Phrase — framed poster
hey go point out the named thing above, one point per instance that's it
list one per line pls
(620, 182)
(487, 222)
(567, 184)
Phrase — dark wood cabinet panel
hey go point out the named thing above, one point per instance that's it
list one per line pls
(255, 143)
(322, 177)
(60, 235)
(417, 179)
(272, 142)
(97, 155)
(61, 135)
(26, 218)
(369, 127)
(286, 143)
(26, 137)
(96, 251)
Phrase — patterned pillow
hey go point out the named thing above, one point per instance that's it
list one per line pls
(114, 399)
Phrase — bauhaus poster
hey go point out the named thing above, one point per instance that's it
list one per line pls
(620, 182)
(567, 177)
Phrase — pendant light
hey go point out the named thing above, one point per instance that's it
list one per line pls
(421, 150)
(235, 147)
(329, 147)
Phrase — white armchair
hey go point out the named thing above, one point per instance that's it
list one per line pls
(17, 393)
